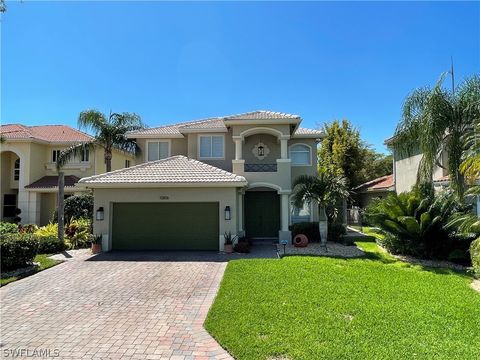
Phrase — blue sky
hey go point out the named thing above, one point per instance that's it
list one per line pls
(172, 62)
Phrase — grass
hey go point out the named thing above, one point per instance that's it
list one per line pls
(325, 308)
(44, 263)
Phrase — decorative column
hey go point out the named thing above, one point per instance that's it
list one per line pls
(284, 233)
(238, 149)
(284, 148)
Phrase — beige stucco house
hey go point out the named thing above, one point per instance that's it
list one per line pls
(197, 180)
(28, 173)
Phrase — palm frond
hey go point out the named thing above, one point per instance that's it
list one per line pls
(71, 153)
(92, 120)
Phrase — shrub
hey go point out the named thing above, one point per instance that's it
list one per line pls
(475, 256)
(50, 229)
(8, 228)
(417, 225)
(28, 228)
(50, 244)
(309, 229)
(242, 246)
(336, 231)
(17, 250)
(79, 234)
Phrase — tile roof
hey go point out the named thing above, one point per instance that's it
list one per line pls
(218, 123)
(384, 183)
(173, 170)
(48, 182)
(48, 133)
(261, 115)
(305, 131)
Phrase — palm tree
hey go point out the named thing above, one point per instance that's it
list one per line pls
(326, 190)
(434, 120)
(109, 134)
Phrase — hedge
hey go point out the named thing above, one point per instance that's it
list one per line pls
(17, 250)
(475, 255)
(50, 244)
(310, 229)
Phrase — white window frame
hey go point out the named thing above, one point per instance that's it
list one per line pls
(16, 170)
(85, 150)
(168, 141)
(55, 151)
(210, 135)
(309, 150)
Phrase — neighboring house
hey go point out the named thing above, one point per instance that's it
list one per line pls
(405, 168)
(201, 179)
(28, 173)
(377, 188)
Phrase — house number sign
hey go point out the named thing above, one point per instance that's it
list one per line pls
(260, 151)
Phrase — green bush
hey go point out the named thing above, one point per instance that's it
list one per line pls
(415, 224)
(309, 229)
(475, 256)
(8, 228)
(50, 244)
(17, 250)
(78, 233)
(50, 229)
(336, 231)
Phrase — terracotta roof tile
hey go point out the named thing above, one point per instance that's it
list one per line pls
(48, 182)
(48, 133)
(384, 183)
(176, 169)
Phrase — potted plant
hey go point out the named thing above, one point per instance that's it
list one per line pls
(97, 244)
(228, 246)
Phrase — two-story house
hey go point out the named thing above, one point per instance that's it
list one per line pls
(201, 179)
(28, 172)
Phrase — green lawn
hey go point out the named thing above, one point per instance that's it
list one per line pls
(44, 262)
(326, 308)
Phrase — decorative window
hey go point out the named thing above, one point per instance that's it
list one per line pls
(300, 155)
(85, 155)
(157, 150)
(55, 155)
(211, 147)
(127, 163)
(9, 205)
(300, 214)
(16, 170)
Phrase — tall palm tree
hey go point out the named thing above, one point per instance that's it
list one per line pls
(109, 134)
(434, 120)
(326, 190)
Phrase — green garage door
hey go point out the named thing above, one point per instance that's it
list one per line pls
(165, 226)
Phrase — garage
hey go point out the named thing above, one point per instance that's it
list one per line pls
(165, 226)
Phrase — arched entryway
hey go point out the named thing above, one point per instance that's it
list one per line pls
(262, 213)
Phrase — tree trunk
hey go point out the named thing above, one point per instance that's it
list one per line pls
(60, 210)
(108, 159)
(323, 225)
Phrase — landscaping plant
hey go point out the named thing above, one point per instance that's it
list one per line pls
(417, 224)
(8, 228)
(17, 250)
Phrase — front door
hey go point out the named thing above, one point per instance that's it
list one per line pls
(262, 214)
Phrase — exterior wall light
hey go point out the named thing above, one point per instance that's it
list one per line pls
(228, 213)
(100, 214)
(261, 150)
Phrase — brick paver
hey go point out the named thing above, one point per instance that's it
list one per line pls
(114, 308)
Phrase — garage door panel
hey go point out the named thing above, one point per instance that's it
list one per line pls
(165, 226)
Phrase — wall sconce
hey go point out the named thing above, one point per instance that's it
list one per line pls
(99, 214)
(261, 150)
(228, 213)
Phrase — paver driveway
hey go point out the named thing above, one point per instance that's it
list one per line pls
(114, 309)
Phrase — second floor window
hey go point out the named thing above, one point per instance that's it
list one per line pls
(84, 157)
(55, 155)
(211, 147)
(157, 150)
(127, 163)
(300, 155)
(16, 170)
